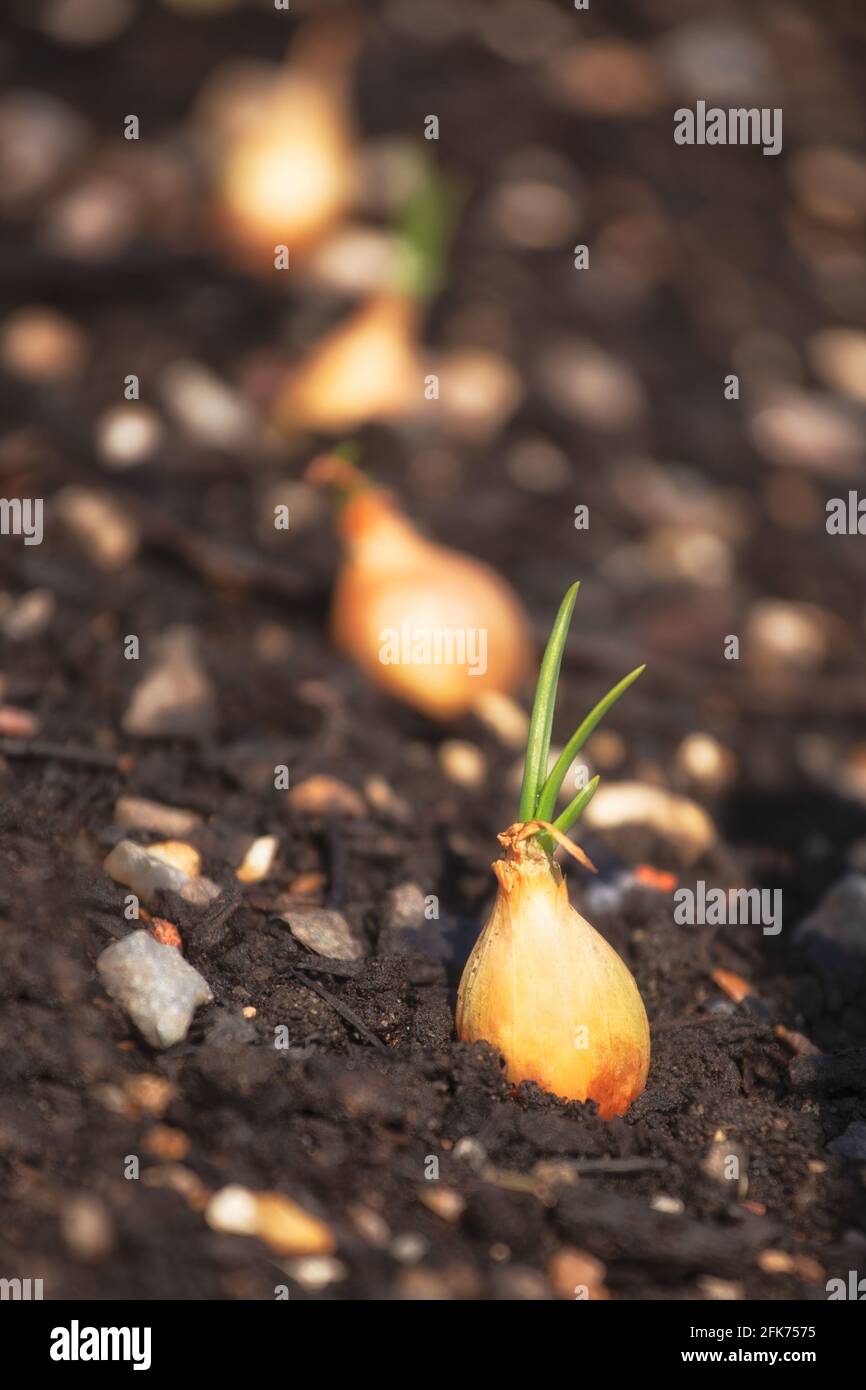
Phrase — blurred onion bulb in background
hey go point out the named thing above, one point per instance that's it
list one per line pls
(429, 625)
(366, 369)
(287, 174)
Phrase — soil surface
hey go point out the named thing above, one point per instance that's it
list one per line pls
(705, 261)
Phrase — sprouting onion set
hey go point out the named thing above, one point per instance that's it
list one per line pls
(541, 985)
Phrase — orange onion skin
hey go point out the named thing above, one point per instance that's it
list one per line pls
(549, 993)
(367, 368)
(392, 576)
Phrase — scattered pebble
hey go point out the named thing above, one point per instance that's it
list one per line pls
(808, 431)
(258, 860)
(443, 1202)
(41, 345)
(672, 1206)
(160, 868)
(538, 466)
(404, 908)
(149, 1093)
(105, 532)
(830, 183)
(327, 796)
(128, 435)
(93, 219)
(382, 798)
(17, 723)
(371, 1226)
(718, 1166)
(607, 750)
(734, 986)
(40, 140)
(577, 1275)
(471, 1152)
(25, 619)
(166, 933)
(809, 1269)
(315, 1272)
(721, 62)
(606, 78)
(697, 555)
(786, 636)
(86, 1228)
(326, 933)
(504, 717)
(676, 818)
(278, 1221)
(167, 1143)
(409, 1247)
(478, 392)
(176, 1178)
(85, 22)
(535, 213)
(776, 1262)
(798, 1043)
(463, 763)
(837, 927)
(659, 880)
(175, 699)
(138, 813)
(851, 1144)
(210, 412)
(720, 1290)
(355, 260)
(587, 384)
(154, 986)
(706, 761)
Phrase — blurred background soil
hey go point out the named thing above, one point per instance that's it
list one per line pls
(602, 387)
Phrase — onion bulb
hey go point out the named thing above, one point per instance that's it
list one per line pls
(367, 368)
(542, 986)
(429, 625)
(288, 173)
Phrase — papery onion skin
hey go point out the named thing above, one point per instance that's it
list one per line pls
(540, 974)
(391, 576)
(367, 368)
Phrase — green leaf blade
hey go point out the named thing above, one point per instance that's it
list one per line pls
(546, 801)
(541, 724)
(575, 809)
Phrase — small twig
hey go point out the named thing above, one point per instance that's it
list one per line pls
(345, 1013)
(59, 752)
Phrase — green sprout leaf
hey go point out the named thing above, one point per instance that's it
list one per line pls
(575, 809)
(427, 226)
(547, 797)
(541, 723)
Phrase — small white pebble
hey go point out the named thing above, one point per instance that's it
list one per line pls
(127, 435)
(258, 860)
(672, 1205)
(154, 985)
(462, 762)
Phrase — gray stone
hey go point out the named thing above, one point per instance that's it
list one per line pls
(326, 933)
(175, 697)
(146, 874)
(851, 1144)
(404, 907)
(154, 985)
(839, 918)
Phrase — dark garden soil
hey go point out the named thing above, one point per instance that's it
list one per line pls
(373, 1083)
